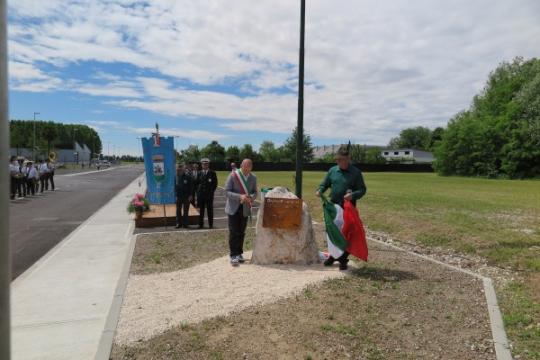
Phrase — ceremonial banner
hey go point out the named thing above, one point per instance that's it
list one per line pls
(159, 163)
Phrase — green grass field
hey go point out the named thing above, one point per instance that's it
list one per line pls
(498, 220)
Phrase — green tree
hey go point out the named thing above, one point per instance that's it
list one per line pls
(499, 134)
(412, 138)
(191, 154)
(289, 147)
(214, 151)
(247, 152)
(268, 152)
(232, 153)
(49, 133)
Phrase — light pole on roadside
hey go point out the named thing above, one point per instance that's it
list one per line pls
(34, 141)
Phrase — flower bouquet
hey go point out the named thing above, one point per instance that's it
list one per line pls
(138, 205)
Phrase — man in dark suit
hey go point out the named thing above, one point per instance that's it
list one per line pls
(207, 184)
(183, 189)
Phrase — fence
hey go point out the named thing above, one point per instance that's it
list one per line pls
(287, 166)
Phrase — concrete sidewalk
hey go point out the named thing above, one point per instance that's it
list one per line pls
(61, 305)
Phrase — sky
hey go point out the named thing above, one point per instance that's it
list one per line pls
(227, 70)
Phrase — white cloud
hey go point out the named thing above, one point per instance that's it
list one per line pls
(164, 131)
(375, 66)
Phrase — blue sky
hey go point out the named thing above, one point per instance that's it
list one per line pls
(227, 70)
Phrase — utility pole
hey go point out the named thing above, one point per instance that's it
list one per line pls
(34, 142)
(5, 253)
(300, 125)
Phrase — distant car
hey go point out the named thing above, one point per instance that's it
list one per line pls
(103, 164)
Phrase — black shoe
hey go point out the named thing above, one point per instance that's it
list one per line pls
(185, 226)
(329, 261)
(210, 226)
(200, 226)
(343, 264)
(241, 259)
(178, 226)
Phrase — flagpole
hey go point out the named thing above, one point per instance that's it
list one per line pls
(300, 124)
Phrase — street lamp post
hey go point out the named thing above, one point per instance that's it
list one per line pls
(300, 125)
(34, 142)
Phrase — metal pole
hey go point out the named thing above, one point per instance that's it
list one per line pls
(5, 251)
(34, 142)
(300, 125)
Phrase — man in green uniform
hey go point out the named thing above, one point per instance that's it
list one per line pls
(347, 183)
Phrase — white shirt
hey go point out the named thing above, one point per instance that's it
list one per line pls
(43, 168)
(32, 172)
(14, 167)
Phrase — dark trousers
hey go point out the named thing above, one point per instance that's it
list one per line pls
(206, 202)
(44, 181)
(182, 211)
(21, 188)
(50, 177)
(237, 231)
(13, 187)
(30, 187)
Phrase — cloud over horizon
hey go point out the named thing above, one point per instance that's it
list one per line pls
(225, 68)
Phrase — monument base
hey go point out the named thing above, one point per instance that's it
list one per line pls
(155, 217)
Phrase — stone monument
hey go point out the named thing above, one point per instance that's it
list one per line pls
(284, 231)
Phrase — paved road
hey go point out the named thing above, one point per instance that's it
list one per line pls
(38, 223)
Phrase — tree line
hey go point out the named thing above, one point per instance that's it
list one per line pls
(269, 152)
(50, 135)
(498, 136)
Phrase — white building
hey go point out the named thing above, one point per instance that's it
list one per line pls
(408, 156)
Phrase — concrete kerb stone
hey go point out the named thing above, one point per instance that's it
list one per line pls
(500, 340)
(107, 338)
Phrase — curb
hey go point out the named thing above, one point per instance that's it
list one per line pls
(498, 333)
(107, 337)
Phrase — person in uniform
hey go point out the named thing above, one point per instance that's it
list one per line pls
(207, 183)
(50, 177)
(31, 178)
(347, 183)
(233, 166)
(43, 175)
(21, 184)
(183, 190)
(195, 175)
(241, 192)
(14, 174)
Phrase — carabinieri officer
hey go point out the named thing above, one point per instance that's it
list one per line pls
(207, 183)
(184, 191)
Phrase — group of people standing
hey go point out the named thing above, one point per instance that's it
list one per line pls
(196, 187)
(344, 179)
(26, 177)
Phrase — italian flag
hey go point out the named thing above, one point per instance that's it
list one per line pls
(344, 230)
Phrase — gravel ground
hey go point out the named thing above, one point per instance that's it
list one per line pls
(156, 302)
(397, 306)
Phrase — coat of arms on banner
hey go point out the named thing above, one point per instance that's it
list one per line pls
(158, 167)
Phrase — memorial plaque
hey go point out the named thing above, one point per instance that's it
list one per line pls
(282, 213)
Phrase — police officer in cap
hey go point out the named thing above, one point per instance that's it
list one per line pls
(183, 190)
(207, 184)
